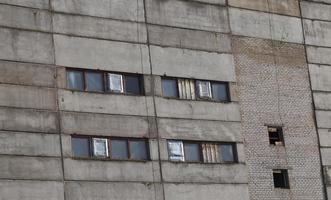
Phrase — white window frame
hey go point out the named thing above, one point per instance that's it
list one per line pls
(110, 83)
(179, 156)
(200, 89)
(95, 143)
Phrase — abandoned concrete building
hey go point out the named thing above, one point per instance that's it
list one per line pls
(165, 99)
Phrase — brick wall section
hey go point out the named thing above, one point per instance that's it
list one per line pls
(274, 90)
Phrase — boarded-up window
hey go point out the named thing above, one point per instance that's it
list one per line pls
(204, 89)
(115, 83)
(186, 89)
(176, 150)
(100, 147)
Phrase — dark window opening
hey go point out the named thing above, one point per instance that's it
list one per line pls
(192, 152)
(132, 85)
(281, 178)
(119, 149)
(220, 91)
(94, 81)
(169, 88)
(276, 135)
(226, 153)
(138, 150)
(80, 146)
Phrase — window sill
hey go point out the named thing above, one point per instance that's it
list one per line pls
(195, 100)
(108, 159)
(204, 163)
(107, 93)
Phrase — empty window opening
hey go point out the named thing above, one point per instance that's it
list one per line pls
(275, 135)
(281, 178)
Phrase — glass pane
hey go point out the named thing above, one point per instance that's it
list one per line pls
(204, 89)
(119, 149)
(169, 88)
(226, 153)
(132, 84)
(80, 147)
(176, 151)
(220, 92)
(75, 80)
(94, 81)
(100, 147)
(192, 152)
(138, 150)
(115, 82)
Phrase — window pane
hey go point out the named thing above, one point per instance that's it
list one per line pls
(176, 151)
(100, 147)
(204, 89)
(115, 82)
(169, 88)
(192, 152)
(138, 150)
(75, 80)
(226, 153)
(220, 92)
(94, 81)
(132, 84)
(80, 147)
(280, 178)
(119, 149)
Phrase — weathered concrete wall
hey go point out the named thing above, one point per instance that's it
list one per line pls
(317, 30)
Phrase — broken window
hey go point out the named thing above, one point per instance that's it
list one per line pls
(204, 89)
(176, 150)
(276, 135)
(226, 152)
(281, 178)
(207, 152)
(80, 146)
(220, 91)
(75, 80)
(100, 147)
(94, 81)
(115, 83)
(169, 88)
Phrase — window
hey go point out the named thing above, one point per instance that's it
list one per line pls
(94, 81)
(281, 178)
(204, 89)
(75, 80)
(113, 148)
(206, 152)
(99, 81)
(119, 149)
(220, 91)
(115, 83)
(100, 147)
(169, 88)
(225, 151)
(80, 147)
(276, 135)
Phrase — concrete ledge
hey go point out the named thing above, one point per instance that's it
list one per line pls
(317, 32)
(27, 97)
(28, 120)
(192, 64)
(93, 170)
(25, 18)
(316, 10)
(22, 143)
(107, 125)
(204, 173)
(323, 119)
(187, 14)
(197, 110)
(320, 77)
(319, 55)
(101, 54)
(322, 101)
(208, 191)
(28, 190)
(199, 130)
(105, 103)
(114, 191)
(325, 137)
(126, 10)
(27, 74)
(30, 168)
(99, 28)
(26, 46)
